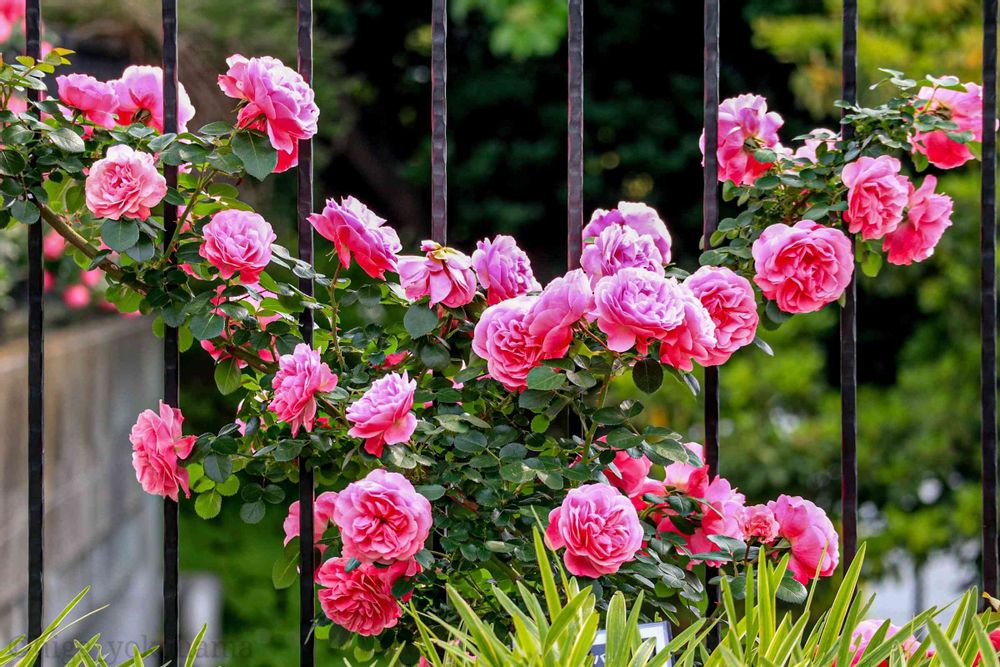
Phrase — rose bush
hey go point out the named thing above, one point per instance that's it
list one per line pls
(465, 404)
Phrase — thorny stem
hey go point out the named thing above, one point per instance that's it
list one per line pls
(335, 317)
(589, 439)
(205, 179)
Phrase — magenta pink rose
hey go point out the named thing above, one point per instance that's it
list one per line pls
(804, 267)
(76, 297)
(686, 478)
(758, 523)
(745, 125)
(96, 100)
(356, 231)
(322, 516)
(503, 269)
(278, 102)
(140, 98)
(618, 247)
(866, 630)
(818, 136)
(814, 541)
(53, 245)
(564, 302)
(383, 416)
(599, 528)
(236, 241)
(382, 519)
(124, 183)
(158, 447)
(729, 300)
(444, 274)
(692, 340)
(722, 508)
(635, 306)
(503, 339)
(11, 17)
(631, 472)
(965, 109)
(643, 219)
(360, 600)
(928, 215)
(876, 196)
(301, 375)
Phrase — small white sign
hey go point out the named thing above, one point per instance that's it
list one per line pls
(658, 631)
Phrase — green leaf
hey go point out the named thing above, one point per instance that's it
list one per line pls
(206, 326)
(540, 424)
(252, 512)
(255, 151)
(208, 505)
(431, 491)
(419, 321)
(119, 235)
(217, 468)
(143, 250)
(24, 211)
(68, 140)
(871, 264)
(543, 378)
(352, 565)
(228, 376)
(284, 573)
(647, 375)
(11, 163)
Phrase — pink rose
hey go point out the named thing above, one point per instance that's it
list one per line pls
(382, 519)
(503, 339)
(864, 633)
(694, 339)
(758, 523)
(11, 17)
(599, 528)
(618, 247)
(301, 375)
(647, 486)
(251, 298)
(322, 516)
(91, 278)
(631, 472)
(804, 267)
(686, 478)
(635, 306)
(97, 100)
(745, 125)
(52, 246)
(48, 281)
(15, 104)
(278, 102)
(383, 416)
(928, 215)
(356, 231)
(876, 196)
(158, 446)
(503, 269)
(821, 135)
(815, 544)
(730, 301)
(643, 219)
(140, 98)
(76, 296)
(444, 274)
(360, 600)
(124, 183)
(722, 507)
(563, 303)
(965, 109)
(237, 241)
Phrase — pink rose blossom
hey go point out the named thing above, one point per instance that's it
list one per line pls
(599, 528)
(503, 339)
(237, 241)
(444, 274)
(876, 196)
(928, 215)
(635, 306)
(694, 339)
(965, 109)
(821, 135)
(250, 299)
(564, 302)
(91, 278)
(15, 104)
(686, 478)
(360, 600)
(76, 296)
(649, 486)
(722, 508)
(643, 219)
(301, 375)
(140, 98)
(804, 267)
(618, 247)
(815, 544)
(745, 125)
(357, 231)
(278, 102)
(97, 100)
(382, 519)
(383, 416)
(11, 17)
(322, 516)
(758, 523)
(631, 472)
(124, 183)
(52, 246)
(158, 446)
(730, 301)
(503, 269)
(864, 633)
(48, 281)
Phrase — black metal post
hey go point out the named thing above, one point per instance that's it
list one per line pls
(439, 121)
(710, 207)
(574, 196)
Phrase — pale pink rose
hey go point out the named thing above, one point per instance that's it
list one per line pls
(599, 528)
(360, 600)
(503, 269)
(444, 274)
(11, 17)
(631, 472)
(278, 102)
(15, 104)
(694, 339)
(804, 267)
(76, 296)
(301, 375)
(91, 278)
(97, 100)
(876, 196)
(382, 519)
(686, 478)
(821, 135)
(965, 109)
(618, 247)
(643, 219)
(729, 300)
(758, 523)
(140, 98)
(124, 183)
(635, 306)
(502, 338)
(322, 517)
(722, 507)
(564, 302)
(928, 215)
(356, 231)
(237, 241)
(864, 633)
(745, 125)
(52, 246)
(384, 415)
(158, 446)
(815, 544)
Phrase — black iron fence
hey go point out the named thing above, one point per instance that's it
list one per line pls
(575, 220)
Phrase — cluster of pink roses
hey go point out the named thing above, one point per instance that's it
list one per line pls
(86, 286)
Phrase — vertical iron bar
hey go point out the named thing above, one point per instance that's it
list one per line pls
(439, 121)
(710, 207)
(36, 378)
(171, 356)
(988, 298)
(848, 324)
(307, 596)
(574, 196)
